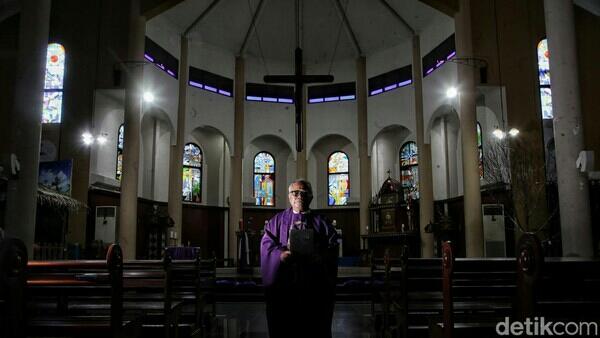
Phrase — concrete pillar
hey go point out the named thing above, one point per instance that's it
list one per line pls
(26, 123)
(176, 153)
(573, 195)
(424, 149)
(363, 143)
(468, 128)
(301, 162)
(131, 136)
(235, 194)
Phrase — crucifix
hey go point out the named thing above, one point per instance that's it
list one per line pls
(299, 80)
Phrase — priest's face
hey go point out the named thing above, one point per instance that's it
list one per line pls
(300, 197)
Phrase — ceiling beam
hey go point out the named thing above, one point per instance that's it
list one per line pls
(201, 16)
(152, 8)
(252, 24)
(349, 30)
(448, 7)
(399, 17)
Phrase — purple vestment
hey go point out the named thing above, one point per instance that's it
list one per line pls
(275, 239)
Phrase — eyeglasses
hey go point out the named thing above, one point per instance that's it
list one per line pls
(297, 193)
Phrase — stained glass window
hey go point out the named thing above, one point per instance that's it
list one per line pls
(53, 83)
(119, 171)
(338, 178)
(409, 170)
(264, 179)
(544, 79)
(480, 149)
(192, 173)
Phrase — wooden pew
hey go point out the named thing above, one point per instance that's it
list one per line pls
(477, 294)
(557, 288)
(52, 285)
(13, 265)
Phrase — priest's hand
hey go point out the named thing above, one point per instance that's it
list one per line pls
(284, 256)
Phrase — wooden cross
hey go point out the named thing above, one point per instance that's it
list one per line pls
(298, 79)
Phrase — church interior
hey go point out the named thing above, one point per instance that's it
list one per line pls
(144, 145)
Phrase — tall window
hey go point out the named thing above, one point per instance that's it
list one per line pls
(264, 179)
(119, 171)
(544, 79)
(546, 108)
(53, 84)
(480, 149)
(192, 173)
(338, 178)
(409, 170)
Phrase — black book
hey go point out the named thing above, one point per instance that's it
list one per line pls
(302, 242)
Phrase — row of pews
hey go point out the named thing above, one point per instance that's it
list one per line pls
(104, 298)
(469, 297)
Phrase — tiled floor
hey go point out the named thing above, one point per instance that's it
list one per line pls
(350, 320)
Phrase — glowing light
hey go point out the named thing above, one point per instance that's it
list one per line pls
(87, 138)
(499, 134)
(101, 139)
(513, 132)
(451, 92)
(148, 97)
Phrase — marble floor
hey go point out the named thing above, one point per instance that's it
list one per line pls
(248, 320)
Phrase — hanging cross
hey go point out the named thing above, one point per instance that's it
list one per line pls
(298, 79)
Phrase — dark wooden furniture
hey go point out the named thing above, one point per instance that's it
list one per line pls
(13, 265)
(52, 285)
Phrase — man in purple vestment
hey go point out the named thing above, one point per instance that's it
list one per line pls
(299, 287)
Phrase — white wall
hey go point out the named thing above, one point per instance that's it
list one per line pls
(108, 116)
(385, 154)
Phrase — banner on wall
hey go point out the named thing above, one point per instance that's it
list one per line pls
(56, 176)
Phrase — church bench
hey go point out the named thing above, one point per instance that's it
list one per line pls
(52, 285)
(477, 294)
(557, 288)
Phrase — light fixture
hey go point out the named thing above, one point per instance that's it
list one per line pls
(148, 97)
(451, 92)
(499, 134)
(513, 132)
(87, 138)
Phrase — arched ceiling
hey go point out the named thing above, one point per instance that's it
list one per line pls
(324, 34)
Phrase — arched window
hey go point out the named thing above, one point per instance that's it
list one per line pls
(409, 170)
(119, 171)
(544, 79)
(480, 149)
(53, 84)
(192, 173)
(338, 178)
(264, 179)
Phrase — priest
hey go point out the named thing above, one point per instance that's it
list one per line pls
(299, 268)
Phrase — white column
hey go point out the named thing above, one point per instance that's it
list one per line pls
(131, 135)
(468, 128)
(573, 195)
(424, 149)
(363, 143)
(176, 154)
(235, 194)
(25, 124)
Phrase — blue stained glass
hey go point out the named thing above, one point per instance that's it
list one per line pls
(192, 173)
(480, 149)
(409, 170)
(339, 189)
(543, 62)
(409, 154)
(264, 163)
(119, 172)
(55, 66)
(546, 102)
(52, 109)
(338, 163)
(264, 185)
(264, 179)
